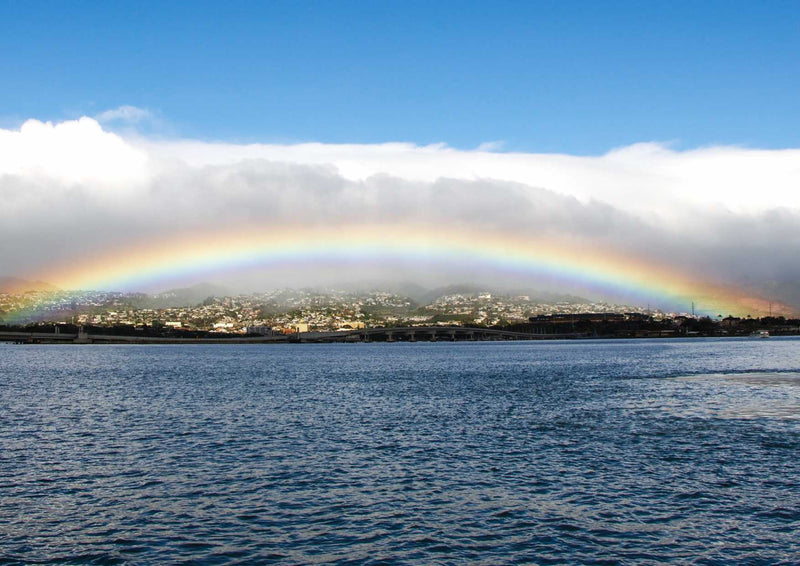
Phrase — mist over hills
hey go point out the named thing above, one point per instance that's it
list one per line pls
(536, 296)
(424, 294)
(197, 293)
(188, 296)
(17, 286)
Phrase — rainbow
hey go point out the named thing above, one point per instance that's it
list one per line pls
(147, 263)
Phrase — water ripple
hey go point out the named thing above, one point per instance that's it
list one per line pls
(621, 452)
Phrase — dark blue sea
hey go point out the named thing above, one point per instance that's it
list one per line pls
(577, 452)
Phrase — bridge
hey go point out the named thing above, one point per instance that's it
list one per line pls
(23, 337)
(424, 333)
(399, 334)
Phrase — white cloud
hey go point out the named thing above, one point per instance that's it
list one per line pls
(76, 151)
(125, 113)
(647, 179)
(492, 146)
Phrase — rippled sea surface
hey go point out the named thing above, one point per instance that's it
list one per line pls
(633, 452)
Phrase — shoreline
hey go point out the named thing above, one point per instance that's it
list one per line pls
(388, 336)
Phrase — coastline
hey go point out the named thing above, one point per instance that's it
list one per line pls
(383, 335)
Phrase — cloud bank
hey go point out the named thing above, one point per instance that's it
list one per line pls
(75, 188)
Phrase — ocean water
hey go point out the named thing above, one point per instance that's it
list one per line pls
(595, 452)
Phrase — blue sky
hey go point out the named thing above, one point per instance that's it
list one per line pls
(572, 77)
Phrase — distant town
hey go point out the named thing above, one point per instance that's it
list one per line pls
(206, 311)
